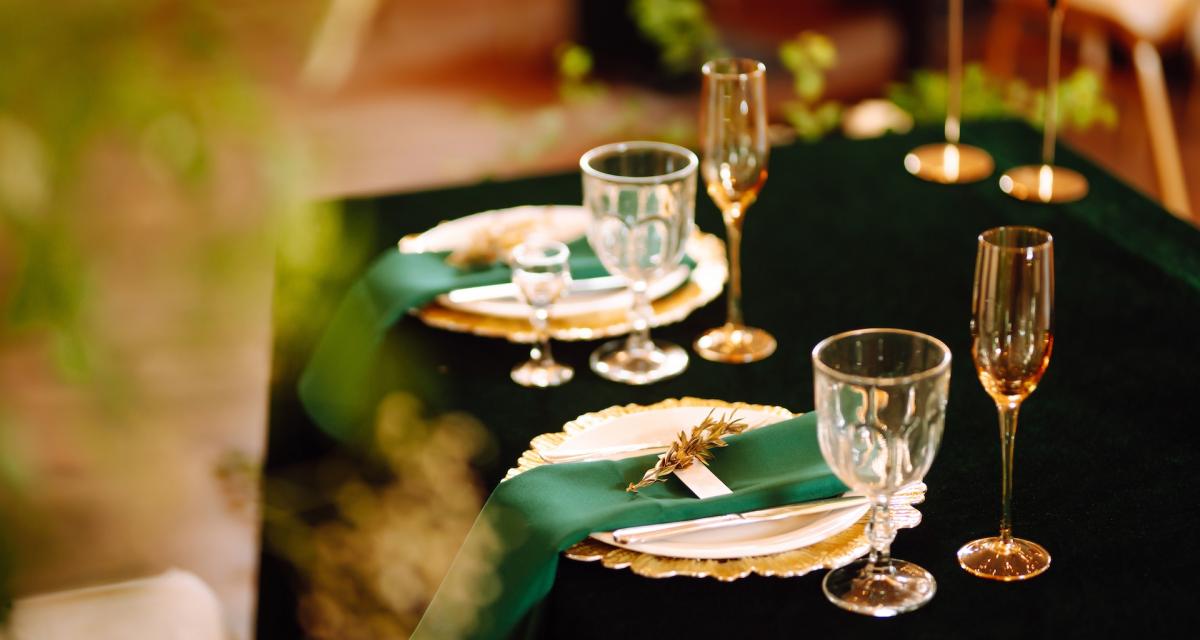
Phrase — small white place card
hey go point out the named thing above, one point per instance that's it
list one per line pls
(702, 481)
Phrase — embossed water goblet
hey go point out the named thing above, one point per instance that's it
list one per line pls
(642, 197)
(881, 399)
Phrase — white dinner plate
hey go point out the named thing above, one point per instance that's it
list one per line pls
(661, 425)
(564, 223)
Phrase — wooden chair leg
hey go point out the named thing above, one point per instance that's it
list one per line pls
(1093, 49)
(337, 43)
(1161, 126)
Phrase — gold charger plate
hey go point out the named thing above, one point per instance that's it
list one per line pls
(703, 285)
(833, 552)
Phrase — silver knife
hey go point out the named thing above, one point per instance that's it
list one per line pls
(509, 290)
(630, 535)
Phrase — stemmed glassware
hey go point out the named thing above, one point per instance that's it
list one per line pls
(950, 162)
(1047, 182)
(642, 196)
(1012, 331)
(541, 273)
(881, 398)
(733, 139)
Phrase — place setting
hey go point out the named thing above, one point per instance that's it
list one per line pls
(777, 542)
(628, 260)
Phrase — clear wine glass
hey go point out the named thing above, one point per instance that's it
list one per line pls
(951, 162)
(733, 137)
(542, 275)
(1012, 332)
(642, 196)
(881, 400)
(1047, 182)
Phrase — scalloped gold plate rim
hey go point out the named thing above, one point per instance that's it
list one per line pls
(832, 552)
(704, 284)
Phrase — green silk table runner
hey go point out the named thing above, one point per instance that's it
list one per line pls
(343, 382)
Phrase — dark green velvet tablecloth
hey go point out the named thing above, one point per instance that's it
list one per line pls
(843, 238)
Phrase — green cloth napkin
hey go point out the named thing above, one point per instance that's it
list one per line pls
(344, 380)
(507, 563)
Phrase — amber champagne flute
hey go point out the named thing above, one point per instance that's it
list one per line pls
(1012, 332)
(1047, 182)
(733, 141)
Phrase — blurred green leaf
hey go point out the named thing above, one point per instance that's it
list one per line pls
(574, 61)
(809, 84)
(807, 57)
(792, 55)
(1081, 100)
(681, 30)
(820, 49)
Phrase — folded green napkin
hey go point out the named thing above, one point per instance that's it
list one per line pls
(507, 563)
(344, 380)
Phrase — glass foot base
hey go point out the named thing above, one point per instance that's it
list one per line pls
(734, 344)
(614, 361)
(949, 163)
(995, 559)
(1044, 183)
(876, 592)
(534, 374)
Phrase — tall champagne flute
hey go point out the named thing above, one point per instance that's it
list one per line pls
(541, 273)
(642, 197)
(1012, 331)
(950, 162)
(733, 140)
(1047, 182)
(881, 407)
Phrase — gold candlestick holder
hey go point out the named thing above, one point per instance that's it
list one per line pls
(951, 162)
(1047, 182)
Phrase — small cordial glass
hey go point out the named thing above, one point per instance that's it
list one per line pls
(542, 274)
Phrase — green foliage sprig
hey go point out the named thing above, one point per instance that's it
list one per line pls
(691, 447)
(809, 57)
(1081, 100)
(573, 63)
(681, 29)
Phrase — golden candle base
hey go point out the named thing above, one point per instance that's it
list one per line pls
(734, 344)
(1044, 183)
(947, 163)
(995, 559)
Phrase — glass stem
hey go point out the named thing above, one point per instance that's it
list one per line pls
(733, 237)
(1050, 117)
(540, 352)
(954, 71)
(880, 534)
(639, 339)
(1008, 435)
